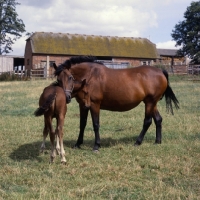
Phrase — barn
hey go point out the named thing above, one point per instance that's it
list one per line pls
(118, 52)
(10, 63)
(175, 62)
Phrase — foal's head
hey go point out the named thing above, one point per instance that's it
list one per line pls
(65, 80)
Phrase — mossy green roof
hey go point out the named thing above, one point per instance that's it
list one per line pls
(76, 44)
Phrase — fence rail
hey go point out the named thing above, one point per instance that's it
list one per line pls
(28, 74)
(194, 69)
(42, 73)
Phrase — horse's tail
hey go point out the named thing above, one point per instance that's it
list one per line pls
(170, 96)
(45, 107)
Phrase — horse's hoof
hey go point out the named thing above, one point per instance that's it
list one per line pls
(137, 143)
(51, 162)
(58, 151)
(157, 142)
(76, 146)
(95, 150)
(41, 151)
(64, 162)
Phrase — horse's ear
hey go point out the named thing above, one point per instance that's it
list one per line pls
(55, 66)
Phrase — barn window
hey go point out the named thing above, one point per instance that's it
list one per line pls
(144, 63)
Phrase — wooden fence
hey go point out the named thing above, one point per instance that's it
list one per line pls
(42, 73)
(174, 69)
(31, 74)
(194, 69)
(179, 69)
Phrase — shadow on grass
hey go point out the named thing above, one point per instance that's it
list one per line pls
(105, 142)
(31, 151)
(27, 151)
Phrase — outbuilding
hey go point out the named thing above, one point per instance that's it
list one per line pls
(118, 52)
(10, 63)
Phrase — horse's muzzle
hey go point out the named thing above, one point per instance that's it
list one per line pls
(68, 96)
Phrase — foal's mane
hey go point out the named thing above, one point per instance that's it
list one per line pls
(75, 60)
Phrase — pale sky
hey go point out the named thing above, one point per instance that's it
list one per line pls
(152, 19)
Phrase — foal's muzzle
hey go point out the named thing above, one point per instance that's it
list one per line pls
(68, 95)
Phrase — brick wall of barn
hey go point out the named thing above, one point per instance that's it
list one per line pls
(34, 61)
(39, 61)
(132, 61)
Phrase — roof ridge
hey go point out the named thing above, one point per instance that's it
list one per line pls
(82, 44)
(89, 35)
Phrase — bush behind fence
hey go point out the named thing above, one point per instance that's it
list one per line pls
(26, 75)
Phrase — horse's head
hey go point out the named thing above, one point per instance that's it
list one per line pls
(65, 80)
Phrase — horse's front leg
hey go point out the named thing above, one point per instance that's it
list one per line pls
(59, 133)
(83, 123)
(95, 110)
(57, 143)
(48, 121)
(45, 133)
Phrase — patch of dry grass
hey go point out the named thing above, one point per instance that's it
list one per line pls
(120, 171)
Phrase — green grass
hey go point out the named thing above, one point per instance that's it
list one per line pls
(120, 170)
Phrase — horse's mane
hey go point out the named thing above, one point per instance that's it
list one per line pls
(75, 60)
(55, 83)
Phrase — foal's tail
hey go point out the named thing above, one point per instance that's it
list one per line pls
(46, 105)
(170, 96)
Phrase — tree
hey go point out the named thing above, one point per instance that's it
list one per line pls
(187, 33)
(11, 28)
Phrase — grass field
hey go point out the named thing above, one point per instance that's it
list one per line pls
(120, 170)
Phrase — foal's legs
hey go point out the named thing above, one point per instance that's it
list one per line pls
(45, 133)
(147, 122)
(59, 133)
(57, 143)
(83, 122)
(48, 122)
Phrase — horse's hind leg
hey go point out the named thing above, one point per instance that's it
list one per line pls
(57, 143)
(158, 122)
(45, 133)
(146, 124)
(52, 139)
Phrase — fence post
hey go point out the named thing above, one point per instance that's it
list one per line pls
(47, 68)
(25, 73)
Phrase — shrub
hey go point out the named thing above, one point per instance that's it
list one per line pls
(10, 76)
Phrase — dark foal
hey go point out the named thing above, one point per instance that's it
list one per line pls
(52, 104)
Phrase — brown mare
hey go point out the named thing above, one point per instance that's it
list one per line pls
(117, 90)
